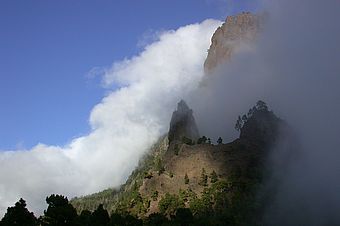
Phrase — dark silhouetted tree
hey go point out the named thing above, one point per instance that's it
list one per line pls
(19, 215)
(250, 112)
(261, 106)
(100, 217)
(117, 219)
(184, 217)
(202, 140)
(244, 119)
(156, 219)
(213, 177)
(59, 212)
(84, 219)
(186, 179)
(239, 124)
(219, 140)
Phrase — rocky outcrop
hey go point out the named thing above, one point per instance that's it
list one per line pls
(235, 30)
(183, 124)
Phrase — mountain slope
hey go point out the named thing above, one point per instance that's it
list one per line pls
(218, 183)
(214, 180)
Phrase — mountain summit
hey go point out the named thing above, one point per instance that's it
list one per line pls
(236, 30)
(182, 124)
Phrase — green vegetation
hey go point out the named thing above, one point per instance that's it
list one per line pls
(169, 204)
(147, 175)
(223, 203)
(188, 141)
(159, 166)
(154, 195)
(213, 177)
(59, 211)
(204, 178)
(202, 140)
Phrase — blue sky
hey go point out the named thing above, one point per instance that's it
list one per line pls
(48, 47)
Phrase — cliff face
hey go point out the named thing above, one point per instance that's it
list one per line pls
(236, 29)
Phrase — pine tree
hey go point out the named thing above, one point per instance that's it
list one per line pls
(261, 106)
(19, 215)
(204, 178)
(186, 179)
(213, 177)
(239, 124)
(59, 211)
(100, 217)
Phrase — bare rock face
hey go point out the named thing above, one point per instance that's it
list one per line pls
(183, 124)
(236, 29)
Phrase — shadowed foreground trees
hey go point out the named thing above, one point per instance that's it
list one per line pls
(61, 213)
(19, 215)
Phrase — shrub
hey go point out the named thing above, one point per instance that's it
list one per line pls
(204, 178)
(202, 140)
(159, 166)
(154, 195)
(176, 149)
(213, 177)
(169, 204)
(186, 179)
(187, 141)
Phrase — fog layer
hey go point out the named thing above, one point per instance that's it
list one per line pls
(295, 67)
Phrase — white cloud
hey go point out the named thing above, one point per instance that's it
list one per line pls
(124, 124)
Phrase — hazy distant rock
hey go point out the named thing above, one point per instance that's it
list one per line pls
(183, 124)
(235, 30)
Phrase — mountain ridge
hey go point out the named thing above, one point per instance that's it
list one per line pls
(198, 175)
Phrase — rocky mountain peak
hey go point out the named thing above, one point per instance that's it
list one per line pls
(236, 29)
(183, 124)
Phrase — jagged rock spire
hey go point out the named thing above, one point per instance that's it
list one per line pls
(183, 124)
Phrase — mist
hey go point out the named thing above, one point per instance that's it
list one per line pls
(124, 125)
(293, 66)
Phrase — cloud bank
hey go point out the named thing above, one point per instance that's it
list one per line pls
(126, 122)
(294, 66)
